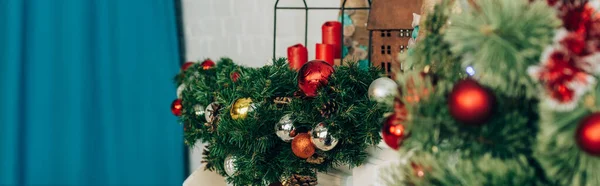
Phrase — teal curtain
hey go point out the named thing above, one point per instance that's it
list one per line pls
(85, 90)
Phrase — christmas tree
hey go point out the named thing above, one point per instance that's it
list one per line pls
(500, 93)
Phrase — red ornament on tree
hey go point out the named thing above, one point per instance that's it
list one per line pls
(176, 107)
(588, 134)
(186, 65)
(470, 103)
(234, 76)
(393, 131)
(314, 75)
(207, 64)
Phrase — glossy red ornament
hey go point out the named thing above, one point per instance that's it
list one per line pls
(314, 75)
(588, 134)
(393, 131)
(234, 76)
(470, 103)
(186, 65)
(176, 107)
(207, 64)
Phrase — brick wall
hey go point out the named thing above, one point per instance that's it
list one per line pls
(243, 29)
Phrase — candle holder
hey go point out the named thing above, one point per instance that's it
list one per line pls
(306, 8)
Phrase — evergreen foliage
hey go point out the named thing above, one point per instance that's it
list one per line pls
(557, 150)
(522, 143)
(261, 156)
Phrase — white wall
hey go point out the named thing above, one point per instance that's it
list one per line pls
(243, 29)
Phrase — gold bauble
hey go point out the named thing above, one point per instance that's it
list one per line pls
(302, 146)
(241, 107)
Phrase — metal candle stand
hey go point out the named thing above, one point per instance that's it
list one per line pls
(306, 8)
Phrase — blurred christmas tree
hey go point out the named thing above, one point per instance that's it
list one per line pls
(500, 93)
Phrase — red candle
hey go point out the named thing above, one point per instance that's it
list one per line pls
(297, 56)
(332, 34)
(325, 52)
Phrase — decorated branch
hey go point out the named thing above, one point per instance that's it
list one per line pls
(278, 123)
(500, 93)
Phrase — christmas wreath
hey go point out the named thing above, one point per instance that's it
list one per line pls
(275, 124)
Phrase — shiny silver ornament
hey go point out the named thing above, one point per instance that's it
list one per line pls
(383, 89)
(285, 128)
(211, 111)
(322, 138)
(229, 165)
(199, 110)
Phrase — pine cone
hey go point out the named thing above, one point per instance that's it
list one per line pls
(316, 159)
(282, 101)
(212, 126)
(328, 108)
(298, 180)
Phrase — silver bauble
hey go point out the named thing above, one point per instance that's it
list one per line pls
(211, 111)
(285, 128)
(199, 109)
(322, 138)
(383, 89)
(229, 165)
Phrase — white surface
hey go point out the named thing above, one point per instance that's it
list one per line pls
(204, 178)
(365, 175)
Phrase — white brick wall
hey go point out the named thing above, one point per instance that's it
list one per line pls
(243, 29)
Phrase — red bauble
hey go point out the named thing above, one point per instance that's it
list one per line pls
(470, 103)
(186, 65)
(588, 134)
(207, 64)
(176, 107)
(393, 131)
(234, 76)
(314, 75)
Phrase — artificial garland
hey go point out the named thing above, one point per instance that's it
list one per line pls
(274, 124)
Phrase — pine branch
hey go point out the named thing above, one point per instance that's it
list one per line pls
(261, 157)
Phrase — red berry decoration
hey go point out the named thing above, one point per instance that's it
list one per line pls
(186, 65)
(207, 64)
(176, 107)
(314, 75)
(588, 134)
(470, 103)
(234, 76)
